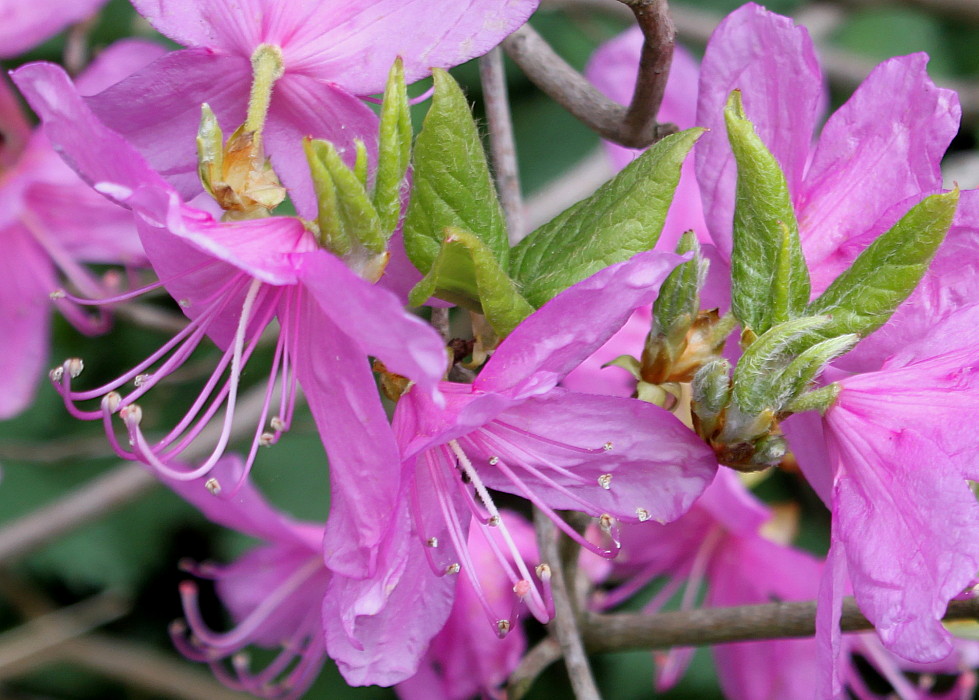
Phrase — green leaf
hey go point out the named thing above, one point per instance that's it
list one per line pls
(769, 277)
(452, 187)
(753, 386)
(346, 213)
(394, 148)
(624, 217)
(467, 273)
(794, 380)
(679, 295)
(863, 297)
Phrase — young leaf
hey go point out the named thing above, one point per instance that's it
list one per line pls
(624, 217)
(679, 295)
(769, 277)
(394, 149)
(452, 186)
(467, 272)
(346, 212)
(863, 297)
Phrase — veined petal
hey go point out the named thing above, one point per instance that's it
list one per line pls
(158, 109)
(375, 320)
(883, 146)
(365, 465)
(196, 23)
(558, 336)
(117, 62)
(26, 281)
(658, 466)
(909, 526)
(774, 65)
(354, 44)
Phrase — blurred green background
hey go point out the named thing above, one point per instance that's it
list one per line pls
(134, 549)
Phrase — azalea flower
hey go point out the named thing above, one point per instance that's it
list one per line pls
(25, 25)
(232, 279)
(319, 56)
(513, 430)
(52, 224)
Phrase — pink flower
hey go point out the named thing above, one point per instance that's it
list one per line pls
(52, 223)
(329, 54)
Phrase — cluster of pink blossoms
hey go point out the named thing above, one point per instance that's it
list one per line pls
(419, 577)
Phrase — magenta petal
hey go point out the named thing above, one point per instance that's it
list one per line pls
(158, 109)
(659, 467)
(26, 281)
(355, 44)
(375, 320)
(364, 460)
(24, 25)
(557, 337)
(883, 146)
(774, 65)
(829, 609)
(117, 62)
(909, 525)
(305, 107)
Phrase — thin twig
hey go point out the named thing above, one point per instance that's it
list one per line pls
(571, 90)
(21, 647)
(564, 626)
(659, 34)
(113, 489)
(533, 663)
(145, 668)
(502, 146)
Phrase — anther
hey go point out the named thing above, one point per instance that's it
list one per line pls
(266, 439)
(607, 446)
(493, 520)
(605, 521)
(141, 379)
(58, 294)
(432, 542)
(213, 486)
(453, 568)
(184, 303)
(277, 424)
(642, 514)
(494, 460)
(502, 627)
(111, 401)
(521, 587)
(74, 367)
(605, 481)
(57, 374)
(131, 414)
(543, 572)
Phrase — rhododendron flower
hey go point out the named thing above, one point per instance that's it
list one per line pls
(467, 658)
(24, 25)
(231, 280)
(51, 223)
(273, 592)
(513, 430)
(322, 56)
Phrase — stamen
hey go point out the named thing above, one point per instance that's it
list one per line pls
(642, 514)
(605, 481)
(213, 486)
(453, 568)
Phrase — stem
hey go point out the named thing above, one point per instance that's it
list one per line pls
(659, 34)
(564, 626)
(502, 146)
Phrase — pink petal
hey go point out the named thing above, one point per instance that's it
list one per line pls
(16, 129)
(561, 334)
(116, 62)
(26, 24)
(26, 281)
(374, 319)
(883, 146)
(657, 464)
(773, 63)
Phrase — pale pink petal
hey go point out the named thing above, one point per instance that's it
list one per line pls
(116, 62)
(883, 146)
(774, 65)
(24, 25)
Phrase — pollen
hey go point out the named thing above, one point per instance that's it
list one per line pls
(432, 542)
(642, 514)
(213, 485)
(453, 568)
(266, 439)
(521, 587)
(605, 481)
(56, 374)
(277, 424)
